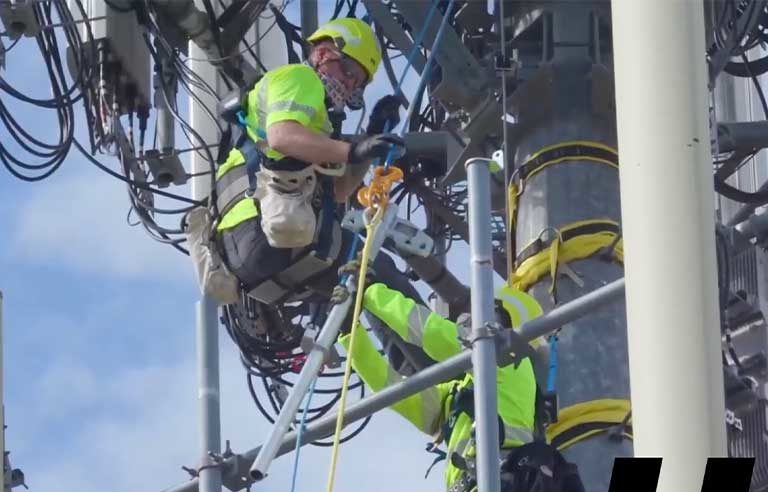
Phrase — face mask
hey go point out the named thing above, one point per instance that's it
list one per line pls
(335, 91)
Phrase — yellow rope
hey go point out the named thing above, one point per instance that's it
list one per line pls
(370, 231)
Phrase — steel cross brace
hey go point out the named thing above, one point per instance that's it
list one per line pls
(235, 469)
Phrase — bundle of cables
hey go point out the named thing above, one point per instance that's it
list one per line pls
(46, 157)
(272, 356)
(724, 258)
(726, 20)
(753, 15)
(269, 342)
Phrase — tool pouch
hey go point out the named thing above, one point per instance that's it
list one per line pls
(285, 198)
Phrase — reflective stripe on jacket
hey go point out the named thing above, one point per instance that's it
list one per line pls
(428, 410)
(287, 93)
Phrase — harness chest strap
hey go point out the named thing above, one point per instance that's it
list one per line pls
(575, 241)
(563, 152)
(463, 401)
(577, 423)
(292, 281)
(583, 420)
(238, 183)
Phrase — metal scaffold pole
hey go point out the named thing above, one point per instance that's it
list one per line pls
(207, 333)
(315, 359)
(483, 346)
(236, 467)
(668, 215)
(308, 17)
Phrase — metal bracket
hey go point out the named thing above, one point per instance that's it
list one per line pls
(308, 343)
(518, 348)
(732, 420)
(406, 237)
(236, 477)
(210, 460)
(166, 168)
(14, 477)
(565, 269)
(488, 330)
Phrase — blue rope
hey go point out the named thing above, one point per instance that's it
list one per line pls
(552, 375)
(299, 435)
(356, 241)
(416, 43)
(423, 79)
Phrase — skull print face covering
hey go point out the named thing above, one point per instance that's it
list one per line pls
(335, 91)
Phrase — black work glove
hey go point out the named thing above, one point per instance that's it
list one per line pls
(376, 147)
(385, 115)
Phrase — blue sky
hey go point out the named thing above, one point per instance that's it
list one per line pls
(100, 387)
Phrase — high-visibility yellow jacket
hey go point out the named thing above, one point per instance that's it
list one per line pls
(431, 410)
(287, 93)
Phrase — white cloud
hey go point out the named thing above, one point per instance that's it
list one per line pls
(79, 222)
(145, 428)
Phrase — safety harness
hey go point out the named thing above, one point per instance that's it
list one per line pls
(560, 153)
(462, 401)
(307, 263)
(536, 465)
(575, 241)
(582, 420)
(549, 254)
(543, 256)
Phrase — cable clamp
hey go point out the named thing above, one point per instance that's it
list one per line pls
(210, 461)
(468, 337)
(487, 330)
(309, 343)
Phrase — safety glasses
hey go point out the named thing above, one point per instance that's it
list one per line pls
(352, 70)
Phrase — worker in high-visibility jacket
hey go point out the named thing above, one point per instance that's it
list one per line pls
(445, 411)
(277, 189)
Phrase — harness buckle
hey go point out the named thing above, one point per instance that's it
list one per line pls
(550, 404)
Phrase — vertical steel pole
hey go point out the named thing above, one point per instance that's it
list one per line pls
(206, 308)
(208, 393)
(483, 346)
(308, 17)
(667, 204)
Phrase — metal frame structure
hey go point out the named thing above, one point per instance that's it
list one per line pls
(483, 347)
(316, 357)
(240, 470)
(206, 310)
(235, 468)
(564, 92)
